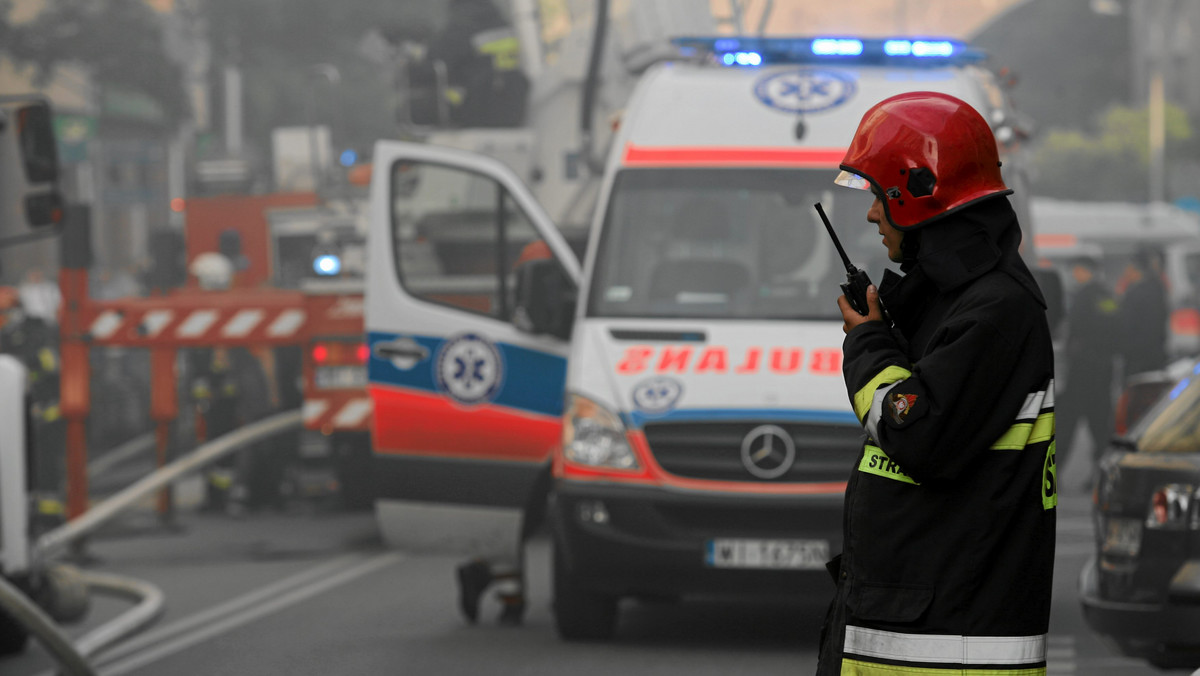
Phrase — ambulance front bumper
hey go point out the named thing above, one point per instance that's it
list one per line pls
(649, 541)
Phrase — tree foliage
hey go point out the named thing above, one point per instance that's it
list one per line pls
(1113, 162)
(120, 42)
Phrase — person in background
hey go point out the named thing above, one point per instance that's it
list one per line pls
(482, 57)
(34, 341)
(40, 297)
(1090, 348)
(1144, 313)
(479, 574)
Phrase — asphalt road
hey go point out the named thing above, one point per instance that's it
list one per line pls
(313, 591)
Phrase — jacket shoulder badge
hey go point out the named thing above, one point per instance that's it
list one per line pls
(900, 405)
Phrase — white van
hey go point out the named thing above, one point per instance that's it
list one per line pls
(684, 383)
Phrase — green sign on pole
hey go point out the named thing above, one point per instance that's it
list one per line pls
(73, 133)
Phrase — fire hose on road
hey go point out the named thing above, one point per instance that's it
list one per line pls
(57, 540)
(73, 657)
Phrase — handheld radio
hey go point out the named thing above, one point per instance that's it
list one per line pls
(857, 281)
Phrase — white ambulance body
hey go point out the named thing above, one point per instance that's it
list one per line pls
(696, 422)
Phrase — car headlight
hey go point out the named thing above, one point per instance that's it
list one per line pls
(592, 435)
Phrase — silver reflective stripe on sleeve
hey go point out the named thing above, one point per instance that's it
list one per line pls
(875, 413)
(945, 648)
(1035, 402)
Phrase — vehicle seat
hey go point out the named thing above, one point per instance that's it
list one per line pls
(698, 267)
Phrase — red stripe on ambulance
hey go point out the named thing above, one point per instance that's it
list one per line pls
(433, 425)
(718, 156)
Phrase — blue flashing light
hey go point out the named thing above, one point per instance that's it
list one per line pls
(837, 47)
(327, 264)
(926, 48)
(741, 58)
(1179, 388)
(896, 51)
(348, 157)
(1196, 369)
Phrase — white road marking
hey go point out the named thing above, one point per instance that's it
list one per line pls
(220, 619)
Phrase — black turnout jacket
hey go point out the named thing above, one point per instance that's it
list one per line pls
(950, 510)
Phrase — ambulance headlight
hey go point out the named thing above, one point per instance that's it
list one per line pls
(592, 435)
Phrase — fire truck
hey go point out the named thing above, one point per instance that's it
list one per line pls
(300, 243)
(320, 251)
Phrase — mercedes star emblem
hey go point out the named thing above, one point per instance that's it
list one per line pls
(768, 452)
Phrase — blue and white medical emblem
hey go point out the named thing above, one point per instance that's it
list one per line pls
(808, 90)
(657, 395)
(469, 369)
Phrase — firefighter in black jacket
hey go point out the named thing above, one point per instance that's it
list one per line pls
(950, 510)
(1092, 342)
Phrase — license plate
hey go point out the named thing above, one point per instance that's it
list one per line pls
(1123, 537)
(768, 554)
(340, 377)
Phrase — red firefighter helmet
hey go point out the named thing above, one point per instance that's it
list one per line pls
(924, 154)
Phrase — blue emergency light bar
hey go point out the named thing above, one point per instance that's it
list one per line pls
(899, 51)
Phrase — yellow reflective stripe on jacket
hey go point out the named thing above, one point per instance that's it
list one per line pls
(1050, 479)
(1021, 435)
(51, 413)
(47, 360)
(876, 462)
(863, 398)
(1034, 422)
(502, 45)
(857, 668)
(987, 654)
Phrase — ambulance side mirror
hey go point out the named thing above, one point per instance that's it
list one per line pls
(544, 299)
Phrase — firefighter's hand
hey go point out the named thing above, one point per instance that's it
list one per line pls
(851, 318)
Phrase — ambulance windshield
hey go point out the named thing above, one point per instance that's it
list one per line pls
(729, 243)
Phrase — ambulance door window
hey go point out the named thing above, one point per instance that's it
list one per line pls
(458, 236)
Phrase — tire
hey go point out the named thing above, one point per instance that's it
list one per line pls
(13, 636)
(580, 615)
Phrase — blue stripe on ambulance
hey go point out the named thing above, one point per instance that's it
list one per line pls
(637, 419)
(532, 380)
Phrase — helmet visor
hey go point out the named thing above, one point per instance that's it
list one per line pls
(852, 180)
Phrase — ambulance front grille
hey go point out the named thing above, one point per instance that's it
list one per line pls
(713, 451)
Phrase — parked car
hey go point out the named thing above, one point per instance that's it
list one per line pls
(1141, 589)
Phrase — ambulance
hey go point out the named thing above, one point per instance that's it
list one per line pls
(682, 382)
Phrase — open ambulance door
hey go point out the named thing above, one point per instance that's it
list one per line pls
(467, 405)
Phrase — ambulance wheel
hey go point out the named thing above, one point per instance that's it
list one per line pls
(13, 635)
(580, 615)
